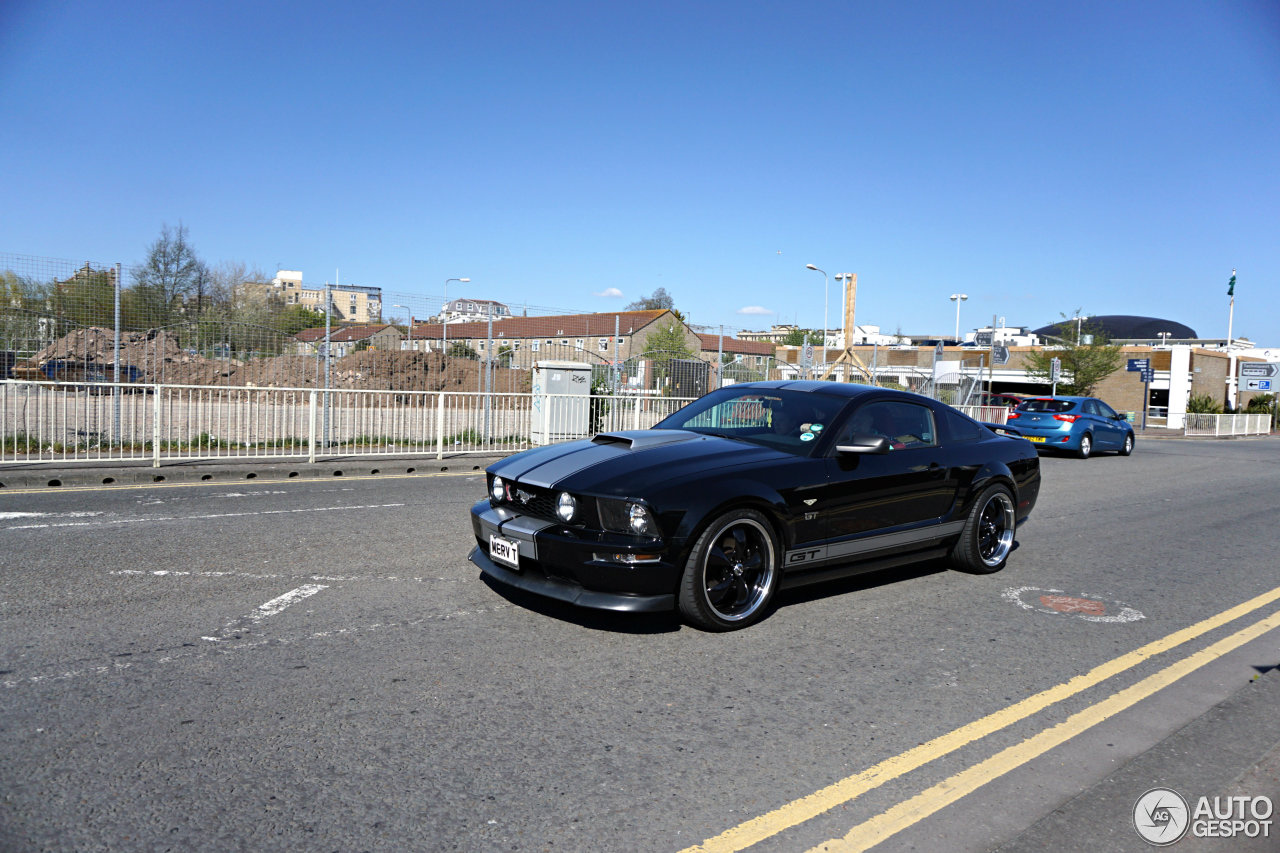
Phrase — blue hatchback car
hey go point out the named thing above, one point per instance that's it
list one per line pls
(1080, 425)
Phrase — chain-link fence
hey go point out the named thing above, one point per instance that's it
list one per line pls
(86, 321)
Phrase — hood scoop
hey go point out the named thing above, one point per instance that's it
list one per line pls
(642, 439)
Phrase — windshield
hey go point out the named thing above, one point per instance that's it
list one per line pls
(785, 420)
(1050, 406)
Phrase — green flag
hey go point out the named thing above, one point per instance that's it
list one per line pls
(1231, 285)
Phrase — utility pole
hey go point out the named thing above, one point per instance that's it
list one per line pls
(328, 359)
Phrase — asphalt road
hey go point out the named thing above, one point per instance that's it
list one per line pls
(313, 665)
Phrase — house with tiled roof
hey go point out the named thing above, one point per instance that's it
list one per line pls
(520, 341)
(348, 339)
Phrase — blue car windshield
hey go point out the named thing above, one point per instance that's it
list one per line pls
(1049, 406)
(785, 420)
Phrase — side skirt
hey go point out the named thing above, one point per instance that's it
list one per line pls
(794, 579)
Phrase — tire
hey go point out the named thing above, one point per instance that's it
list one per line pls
(987, 539)
(1128, 445)
(1086, 446)
(732, 572)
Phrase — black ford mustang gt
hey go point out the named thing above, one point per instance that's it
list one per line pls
(753, 488)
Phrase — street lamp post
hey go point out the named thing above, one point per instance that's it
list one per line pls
(957, 298)
(444, 324)
(408, 331)
(825, 291)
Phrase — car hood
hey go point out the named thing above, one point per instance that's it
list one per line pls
(631, 463)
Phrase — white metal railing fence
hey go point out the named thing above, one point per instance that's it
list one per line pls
(987, 414)
(1219, 425)
(102, 422)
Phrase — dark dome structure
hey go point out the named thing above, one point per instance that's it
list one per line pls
(1125, 327)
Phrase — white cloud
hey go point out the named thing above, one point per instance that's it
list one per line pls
(611, 293)
(755, 309)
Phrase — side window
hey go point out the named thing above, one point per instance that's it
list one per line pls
(1105, 410)
(1091, 408)
(906, 425)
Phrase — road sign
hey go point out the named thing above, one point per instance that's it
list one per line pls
(1055, 369)
(1000, 354)
(1255, 370)
(1148, 375)
(937, 352)
(1257, 385)
(982, 339)
(1136, 364)
(806, 354)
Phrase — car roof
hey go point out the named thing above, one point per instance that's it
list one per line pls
(1066, 397)
(848, 390)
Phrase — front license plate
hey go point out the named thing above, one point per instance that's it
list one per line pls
(1035, 438)
(504, 551)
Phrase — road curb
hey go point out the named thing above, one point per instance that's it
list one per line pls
(54, 476)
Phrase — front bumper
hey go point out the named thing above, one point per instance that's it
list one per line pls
(560, 562)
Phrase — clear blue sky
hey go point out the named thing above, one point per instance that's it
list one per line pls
(1040, 157)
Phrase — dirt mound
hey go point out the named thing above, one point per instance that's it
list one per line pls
(159, 358)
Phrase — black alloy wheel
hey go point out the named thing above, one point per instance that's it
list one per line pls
(987, 539)
(1128, 445)
(731, 573)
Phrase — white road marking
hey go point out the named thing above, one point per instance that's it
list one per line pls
(271, 608)
(161, 573)
(225, 648)
(5, 516)
(195, 517)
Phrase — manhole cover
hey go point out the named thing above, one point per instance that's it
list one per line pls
(1057, 602)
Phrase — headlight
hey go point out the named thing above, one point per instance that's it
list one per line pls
(495, 491)
(640, 520)
(627, 517)
(566, 507)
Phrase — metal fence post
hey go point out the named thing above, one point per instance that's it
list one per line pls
(155, 427)
(311, 428)
(440, 425)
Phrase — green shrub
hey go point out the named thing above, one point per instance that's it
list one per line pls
(1203, 404)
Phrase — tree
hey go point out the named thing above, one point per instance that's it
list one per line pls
(798, 337)
(1086, 353)
(664, 345)
(659, 300)
(295, 318)
(162, 284)
(85, 299)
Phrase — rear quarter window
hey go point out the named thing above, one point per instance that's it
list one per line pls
(956, 428)
(1053, 407)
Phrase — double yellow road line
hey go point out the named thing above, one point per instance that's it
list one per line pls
(875, 830)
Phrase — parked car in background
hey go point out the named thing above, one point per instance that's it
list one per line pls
(749, 489)
(1079, 425)
(1010, 401)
